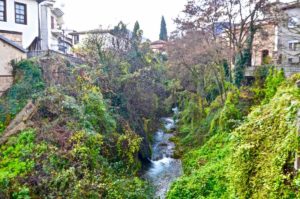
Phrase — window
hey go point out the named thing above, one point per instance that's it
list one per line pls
(293, 22)
(293, 60)
(279, 60)
(265, 59)
(52, 22)
(294, 45)
(76, 39)
(21, 13)
(2, 10)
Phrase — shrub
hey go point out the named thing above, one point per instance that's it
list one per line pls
(28, 83)
(17, 159)
(273, 81)
(264, 148)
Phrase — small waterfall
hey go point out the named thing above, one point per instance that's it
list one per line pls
(164, 168)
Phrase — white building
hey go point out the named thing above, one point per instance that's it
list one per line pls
(28, 26)
(78, 38)
(34, 24)
(52, 35)
(108, 38)
(19, 20)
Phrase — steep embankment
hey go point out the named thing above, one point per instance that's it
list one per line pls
(28, 83)
(255, 160)
(73, 145)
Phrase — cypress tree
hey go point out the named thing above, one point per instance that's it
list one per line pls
(163, 30)
(136, 30)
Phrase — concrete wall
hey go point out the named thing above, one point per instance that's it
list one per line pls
(8, 53)
(29, 31)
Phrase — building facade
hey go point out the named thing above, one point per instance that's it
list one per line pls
(52, 35)
(8, 51)
(34, 24)
(278, 43)
(19, 20)
(28, 26)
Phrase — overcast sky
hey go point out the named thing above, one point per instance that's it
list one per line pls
(89, 14)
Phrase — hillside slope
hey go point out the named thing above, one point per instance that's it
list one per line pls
(73, 146)
(255, 160)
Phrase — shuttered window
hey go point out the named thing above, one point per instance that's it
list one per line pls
(2, 10)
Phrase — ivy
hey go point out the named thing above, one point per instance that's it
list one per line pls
(246, 157)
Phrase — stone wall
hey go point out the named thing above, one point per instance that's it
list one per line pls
(13, 36)
(7, 54)
(263, 40)
(288, 70)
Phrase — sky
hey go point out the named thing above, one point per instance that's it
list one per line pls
(90, 14)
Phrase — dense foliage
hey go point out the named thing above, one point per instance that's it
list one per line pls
(75, 149)
(250, 157)
(91, 132)
(27, 84)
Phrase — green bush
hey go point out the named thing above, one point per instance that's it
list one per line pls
(273, 81)
(254, 160)
(264, 148)
(96, 112)
(28, 83)
(205, 171)
(17, 159)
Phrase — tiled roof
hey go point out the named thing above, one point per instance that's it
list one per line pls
(95, 31)
(158, 42)
(291, 5)
(13, 44)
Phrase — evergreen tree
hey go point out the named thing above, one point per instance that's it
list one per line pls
(136, 30)
(163, 30)
(137, 35)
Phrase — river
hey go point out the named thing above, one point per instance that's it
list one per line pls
(164, 169)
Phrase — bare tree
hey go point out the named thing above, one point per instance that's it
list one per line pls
(197, 60)
(234, 21)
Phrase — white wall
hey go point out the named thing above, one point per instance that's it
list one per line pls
(49, 40)
(30, 31)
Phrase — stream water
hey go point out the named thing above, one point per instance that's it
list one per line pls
(164, 169)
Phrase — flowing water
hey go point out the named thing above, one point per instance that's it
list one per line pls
(164, 168)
